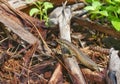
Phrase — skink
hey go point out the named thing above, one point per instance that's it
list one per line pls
(80, 56)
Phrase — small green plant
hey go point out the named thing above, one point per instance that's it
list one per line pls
(109, 9)
(41, 10)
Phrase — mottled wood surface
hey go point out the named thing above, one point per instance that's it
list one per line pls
(21, 4)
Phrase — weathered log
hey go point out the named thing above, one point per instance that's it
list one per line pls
(62, 16)
(76, 76)
(18, 22)
(94, 77)
(95, 26)
(57, 77)
(113, 74)
(21, 4)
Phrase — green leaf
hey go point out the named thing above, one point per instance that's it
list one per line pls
(89, 1)
(118, 1)
(46, 18)
(48, 5)
(116, 24)
(105, 8)
(89, 8)
(118, 11)
(104, 13)
(110, 2)
(96, 4)
(111, 8)
(39, 3)
(33, 11)
(44, 10)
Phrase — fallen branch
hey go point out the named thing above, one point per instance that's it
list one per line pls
(98, 27)
(17, 22)
(94, 77)
(57, 77)
(62, 16)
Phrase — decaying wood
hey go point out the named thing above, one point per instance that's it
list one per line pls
(59, 2)
(20, 4)
(76, 76)
(41, 68)
(100, 49)
(98, 27)
(18, 29)
(64, 26)
(3, 57)
(29, 54)
(114, 67)
(8, 18)
(54, 17)
(64, 23)
(81, 57)
(17, 22)
(94, 77)
(57, 77)
(36, 71)
(62, 16)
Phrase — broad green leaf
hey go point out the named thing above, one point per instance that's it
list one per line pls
(48, 5)
(112, 18)
(118, 11)
(110, 1)
(89, 8)
(104, 13)
(45, 18)
(111, 8)
(116, 24)
(44, 11)
(96, 4)
(105, 8)
(118, 1)
(33, 11)
(90, 1)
